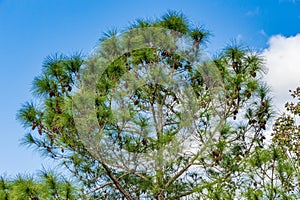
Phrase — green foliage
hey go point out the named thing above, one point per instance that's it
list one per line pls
(231, 109)
(46, 185)
(286, 130)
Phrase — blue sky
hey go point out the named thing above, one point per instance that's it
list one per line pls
(32, 29)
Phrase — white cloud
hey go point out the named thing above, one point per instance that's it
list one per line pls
(283, 63)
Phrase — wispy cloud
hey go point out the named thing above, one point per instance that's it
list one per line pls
(254, 12)
(239, 37)
(290, 1)
(263, 33)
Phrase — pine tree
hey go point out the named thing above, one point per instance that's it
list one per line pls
(148, 116)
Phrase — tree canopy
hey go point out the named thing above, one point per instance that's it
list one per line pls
(149, 116)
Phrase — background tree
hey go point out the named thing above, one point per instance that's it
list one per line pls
(286, 139)
(205, 151)
(47, 185)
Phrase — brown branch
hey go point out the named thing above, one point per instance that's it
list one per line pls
(182, 170)
(172, 180)
(115, 180)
